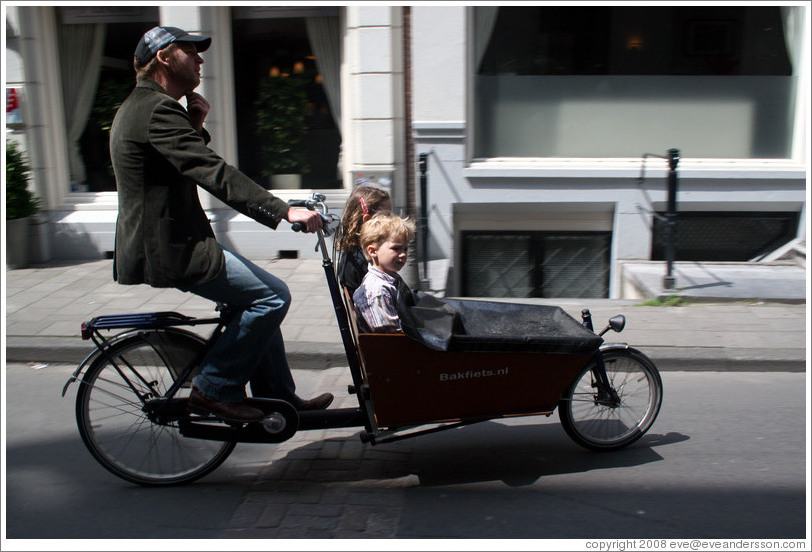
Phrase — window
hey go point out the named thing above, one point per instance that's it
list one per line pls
(96, 52)
(285, 120)
(606, 81)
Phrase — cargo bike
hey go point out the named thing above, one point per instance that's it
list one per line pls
(500, 360)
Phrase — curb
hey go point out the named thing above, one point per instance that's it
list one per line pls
(319, 356)
(73, 350)
(720, 359)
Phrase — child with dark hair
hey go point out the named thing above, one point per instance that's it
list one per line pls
(363, 203)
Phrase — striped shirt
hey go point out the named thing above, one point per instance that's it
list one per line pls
(376, 302)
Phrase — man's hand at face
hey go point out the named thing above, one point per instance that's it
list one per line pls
(198, 108)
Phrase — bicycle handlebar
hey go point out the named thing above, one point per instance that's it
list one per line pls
(301, 203)
(315, 203)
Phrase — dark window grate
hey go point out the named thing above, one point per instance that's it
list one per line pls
(536, 264)
(732, 237)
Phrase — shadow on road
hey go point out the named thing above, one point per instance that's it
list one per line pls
(516, 455)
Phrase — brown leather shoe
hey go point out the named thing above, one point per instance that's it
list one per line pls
(318, 403)
(229, 411)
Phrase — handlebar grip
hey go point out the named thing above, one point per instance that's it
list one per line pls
(299, 227)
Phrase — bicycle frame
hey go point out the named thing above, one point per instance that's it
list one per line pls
(607, 395)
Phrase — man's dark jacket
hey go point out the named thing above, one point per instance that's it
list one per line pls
(163, 236)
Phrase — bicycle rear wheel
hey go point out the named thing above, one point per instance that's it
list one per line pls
(114, 426)
(598, 425)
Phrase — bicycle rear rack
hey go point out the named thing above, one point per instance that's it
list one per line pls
(149, 320)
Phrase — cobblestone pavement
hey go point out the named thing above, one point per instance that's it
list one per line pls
(327, 483)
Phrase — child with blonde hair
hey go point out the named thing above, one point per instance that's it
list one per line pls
(384, 239)
(364, 202)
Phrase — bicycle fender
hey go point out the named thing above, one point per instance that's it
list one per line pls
(89, 358)
(75, 376)
(607, 347)
(613, 347)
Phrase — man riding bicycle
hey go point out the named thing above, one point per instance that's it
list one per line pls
(164, 238)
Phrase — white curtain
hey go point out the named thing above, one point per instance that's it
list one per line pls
(80, 51)
(484, 21)
(325, 39)
(324, 34)
(793, 20)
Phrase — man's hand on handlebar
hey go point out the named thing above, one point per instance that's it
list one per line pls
(311, 221)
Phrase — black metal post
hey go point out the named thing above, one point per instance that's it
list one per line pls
(423, 166)
(671, 219)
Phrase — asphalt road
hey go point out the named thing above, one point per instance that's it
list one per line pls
(725, 459)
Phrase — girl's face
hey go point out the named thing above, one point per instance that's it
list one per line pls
(391, 255)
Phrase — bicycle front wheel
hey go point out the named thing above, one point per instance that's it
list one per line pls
(114, 426)
(598, 424)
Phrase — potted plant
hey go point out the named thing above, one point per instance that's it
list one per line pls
(281, 128)
(21, 203)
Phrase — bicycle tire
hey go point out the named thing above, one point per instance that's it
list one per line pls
(118, 432)
(602, 427)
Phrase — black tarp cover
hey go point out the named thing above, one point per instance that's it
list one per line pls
(490, 326)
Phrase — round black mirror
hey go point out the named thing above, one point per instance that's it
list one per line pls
(617, 323)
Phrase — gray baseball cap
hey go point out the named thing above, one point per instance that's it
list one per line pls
(161, 37)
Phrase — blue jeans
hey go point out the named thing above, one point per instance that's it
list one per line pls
(251, 347)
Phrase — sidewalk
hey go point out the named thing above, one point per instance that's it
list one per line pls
(755, 321)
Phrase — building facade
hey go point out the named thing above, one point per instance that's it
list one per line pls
(545, 130)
